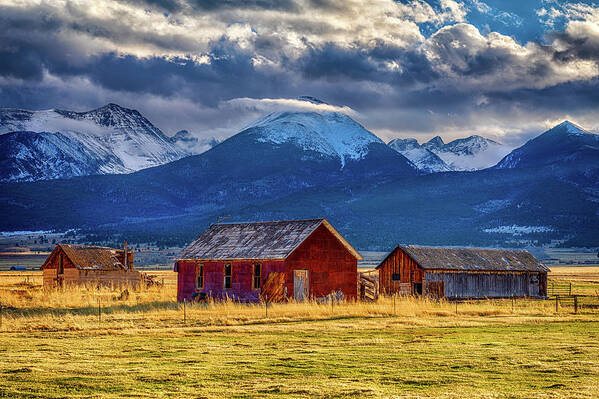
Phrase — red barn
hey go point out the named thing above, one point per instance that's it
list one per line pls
(297, 259)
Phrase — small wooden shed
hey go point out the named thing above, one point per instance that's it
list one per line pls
(80, 264)
(462, 272)
(297, 259)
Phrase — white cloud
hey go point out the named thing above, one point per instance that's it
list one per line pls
(285, 104)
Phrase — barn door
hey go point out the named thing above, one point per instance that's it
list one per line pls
(300, 285)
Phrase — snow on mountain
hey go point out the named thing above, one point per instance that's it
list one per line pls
(434, 143)
(328, 133)
(566, 143)
(121, 140)
(471, 153)
(424, 159)
(26, 156)
(191, 144)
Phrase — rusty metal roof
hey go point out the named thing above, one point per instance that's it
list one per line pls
(259, 240)
(472, 259)
(90, 257)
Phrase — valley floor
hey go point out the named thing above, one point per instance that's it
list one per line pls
(339, 357)
(53, 344)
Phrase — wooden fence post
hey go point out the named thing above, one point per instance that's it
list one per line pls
(184, 311)
(570, 290)
(99, 311)
(575, 304)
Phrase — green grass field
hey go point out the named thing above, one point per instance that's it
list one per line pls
(53, 345)
(344, 357)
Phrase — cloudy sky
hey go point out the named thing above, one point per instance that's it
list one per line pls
(505, 69)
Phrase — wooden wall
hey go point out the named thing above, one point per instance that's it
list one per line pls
(115, 278)
(398, 262)
(73, 275)
(488, 284)
(457, 284)
(330, 265)
(241, 279)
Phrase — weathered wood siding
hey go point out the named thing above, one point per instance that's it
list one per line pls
(72, 275)
(116, 278)
(487, 284)
(214, 276)
(331, 267)
(398, 262)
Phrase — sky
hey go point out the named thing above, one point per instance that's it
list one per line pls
(503, 69)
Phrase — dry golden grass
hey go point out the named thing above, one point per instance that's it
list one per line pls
(54, 344)
(575, 272)
(28, 306)
(77, 308)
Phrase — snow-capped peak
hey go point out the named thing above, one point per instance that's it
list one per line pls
(563, 144)
(329, 133)
(470, 153)
(403, 144)
(424, 159)
(435, 142)
(570, 128)
(121, 140)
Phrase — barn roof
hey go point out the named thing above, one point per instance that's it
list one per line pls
(259, 240)
(472, 259)
(89, 257)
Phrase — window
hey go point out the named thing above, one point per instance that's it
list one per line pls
(257, 276)
(200, 277)
(228, 276)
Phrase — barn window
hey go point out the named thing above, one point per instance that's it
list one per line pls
(228, 276)
(200, 277)
(257, 276)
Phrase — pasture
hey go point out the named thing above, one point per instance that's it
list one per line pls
(143, 344)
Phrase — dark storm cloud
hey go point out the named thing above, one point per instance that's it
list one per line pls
(576, 47)
(209, 52)
(229, 73)
(216, 5)
(334, 63)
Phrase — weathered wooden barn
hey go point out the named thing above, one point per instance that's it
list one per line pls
(297, 259)
(82, 264)
(462, 273)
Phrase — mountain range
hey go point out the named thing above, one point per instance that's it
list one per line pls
(41, 145)
(313, 164)
(467, 154)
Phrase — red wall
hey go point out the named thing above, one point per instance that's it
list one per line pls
(331, 268)
(241, 276)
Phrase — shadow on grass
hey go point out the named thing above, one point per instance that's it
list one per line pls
(91, 310)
